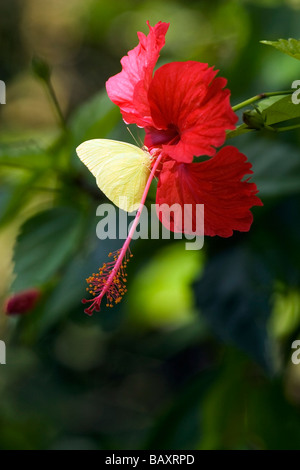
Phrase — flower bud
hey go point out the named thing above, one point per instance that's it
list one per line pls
(22, 302)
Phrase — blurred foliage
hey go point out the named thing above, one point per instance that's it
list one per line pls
(198, 355)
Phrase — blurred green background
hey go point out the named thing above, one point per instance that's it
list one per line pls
(198, 354)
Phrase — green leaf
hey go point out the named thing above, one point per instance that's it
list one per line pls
(254, 407)
(271, 112)
(276, 166)
(15, 197)
(223, 427)
(289, 46)
(180, 424)
(94, 119)
(278, 109)
(242, 129)
(267, 407)
(45, 242)
(25, 155)
(230, 297)
(285, 316)
(71, 288)
(268, 113)
(5, 193)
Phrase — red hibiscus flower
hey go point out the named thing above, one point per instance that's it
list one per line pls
(185, 111)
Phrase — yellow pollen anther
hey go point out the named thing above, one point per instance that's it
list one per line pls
(110, 282)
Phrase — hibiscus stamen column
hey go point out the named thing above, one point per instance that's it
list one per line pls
(111, 280)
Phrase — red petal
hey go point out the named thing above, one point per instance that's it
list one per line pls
(186, 99)
(128, 89)
(216, 183)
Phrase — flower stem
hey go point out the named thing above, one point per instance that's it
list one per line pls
(56, 104)
(260, 97)
(125, 247)
(136, 220)
(287, 128)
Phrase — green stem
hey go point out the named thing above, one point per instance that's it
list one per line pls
(260, 97)
(16, 165)
(56, 104)
(42, 188)
(287, 128)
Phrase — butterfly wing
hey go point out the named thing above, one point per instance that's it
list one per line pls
(121, 170)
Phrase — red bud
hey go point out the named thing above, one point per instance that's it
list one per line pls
(22, 302)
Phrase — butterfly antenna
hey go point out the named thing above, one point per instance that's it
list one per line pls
(137, 143)
(141, 142)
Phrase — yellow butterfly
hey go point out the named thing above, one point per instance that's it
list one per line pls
(121, 170)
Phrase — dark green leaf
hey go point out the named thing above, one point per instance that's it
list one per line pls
(95, 119)
(71, 287)
(17, 196)
(25, 155)
(180, 425)
(272, 418)
(223, 426)
(45, 242)
(231, 298)
(276, 166)
(5, 195)
(242, 129)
